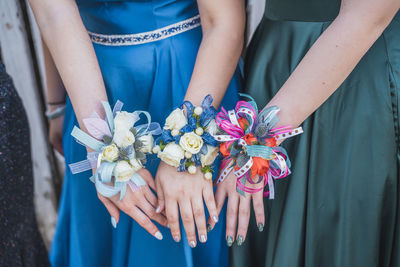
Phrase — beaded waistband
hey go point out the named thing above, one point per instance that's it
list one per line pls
(145, 37)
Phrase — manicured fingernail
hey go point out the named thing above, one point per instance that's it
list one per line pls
(177, 239)
(114, 222)
(209, 228)
(215, 218)
(203, 238)
(239, 240)
(260, 227)
(192, 244)
(229, 241)
(158, 210)
(158, 235)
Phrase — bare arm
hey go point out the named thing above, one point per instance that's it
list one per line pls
(358, 25)
(223, 25)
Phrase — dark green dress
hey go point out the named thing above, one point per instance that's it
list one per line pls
(340, 206)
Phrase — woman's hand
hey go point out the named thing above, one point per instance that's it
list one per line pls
(184, 191)
(238, 210)
(55, 133)
(139, 204)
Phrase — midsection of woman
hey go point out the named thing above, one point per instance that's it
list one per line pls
(151, 74)
(340, 205)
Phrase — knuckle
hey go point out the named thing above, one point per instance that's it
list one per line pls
(198, 213)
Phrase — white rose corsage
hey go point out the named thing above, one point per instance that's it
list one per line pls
(187, 142)
(120, 149)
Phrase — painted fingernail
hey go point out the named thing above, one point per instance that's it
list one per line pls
(229, 241)
(260, 227)
(158, 235)
(192, 244)
(239, 240)
(176, 238)
(158, 210)
(209, 228)
(203, 238)
(215, 218)
(114, 222)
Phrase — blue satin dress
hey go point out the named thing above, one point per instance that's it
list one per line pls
(150, 72)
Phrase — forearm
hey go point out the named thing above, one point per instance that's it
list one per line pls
(330, 60)
(69, 44)
(219, 52)
(55, 91)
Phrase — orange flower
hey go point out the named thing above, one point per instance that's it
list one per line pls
(250, 139)
(260, 167)
(243, 123)
(271, 142)
(224, 149)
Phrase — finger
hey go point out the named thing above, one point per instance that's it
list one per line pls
(243, 218)
(145, 222)
(185, 209)
(200, 218)
(231, 218)
(220, 196)
(173, 219)
(146, 175)
(258, 205)
(150, 211)
(150, 196)
(160, 195)
(111, 208)
(208, 195)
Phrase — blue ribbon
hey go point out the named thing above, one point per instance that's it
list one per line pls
(86, 139)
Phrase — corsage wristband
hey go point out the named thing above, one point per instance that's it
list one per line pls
(187, 142)
(120, 149)
(249, 146)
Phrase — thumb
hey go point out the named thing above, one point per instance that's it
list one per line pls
(111, 208)
(160, 196)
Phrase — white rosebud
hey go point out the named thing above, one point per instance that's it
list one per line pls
(136, 164)
(208, 175)
(199, 131)
(188, 155)
(198, 110)
(192, 169)
(124, 139)
(176, 120)
(172, 154)
(123, 171)
(147, 143)
(174, 132)
(191, 142)
(156, 149)
(209, 158)
(110, 153)
(212, 127)
(123, 121)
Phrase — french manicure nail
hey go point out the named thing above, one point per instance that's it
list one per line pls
(158, 209)
(114, 222)
(260, 227)
(158, 235)
(239, 240)
(229, 241)
(192, 244)
(176, 238)
(209, 228)
(215, 218)
(203, 238)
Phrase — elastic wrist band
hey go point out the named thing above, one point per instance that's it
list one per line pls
(58, 112)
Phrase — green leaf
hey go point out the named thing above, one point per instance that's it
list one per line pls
(107, 139)
(134, 131)
(140, 155)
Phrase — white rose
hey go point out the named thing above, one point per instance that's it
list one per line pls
(198, 110)
(124, 139)
(123, 171)
(123, 121)
(212, 127)
(208, 175)
(110, 153)
(136, 165)
(191, 142)
(147, 141)
(172, 154)
(209, 158)
(192, 169)
(176, 120)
